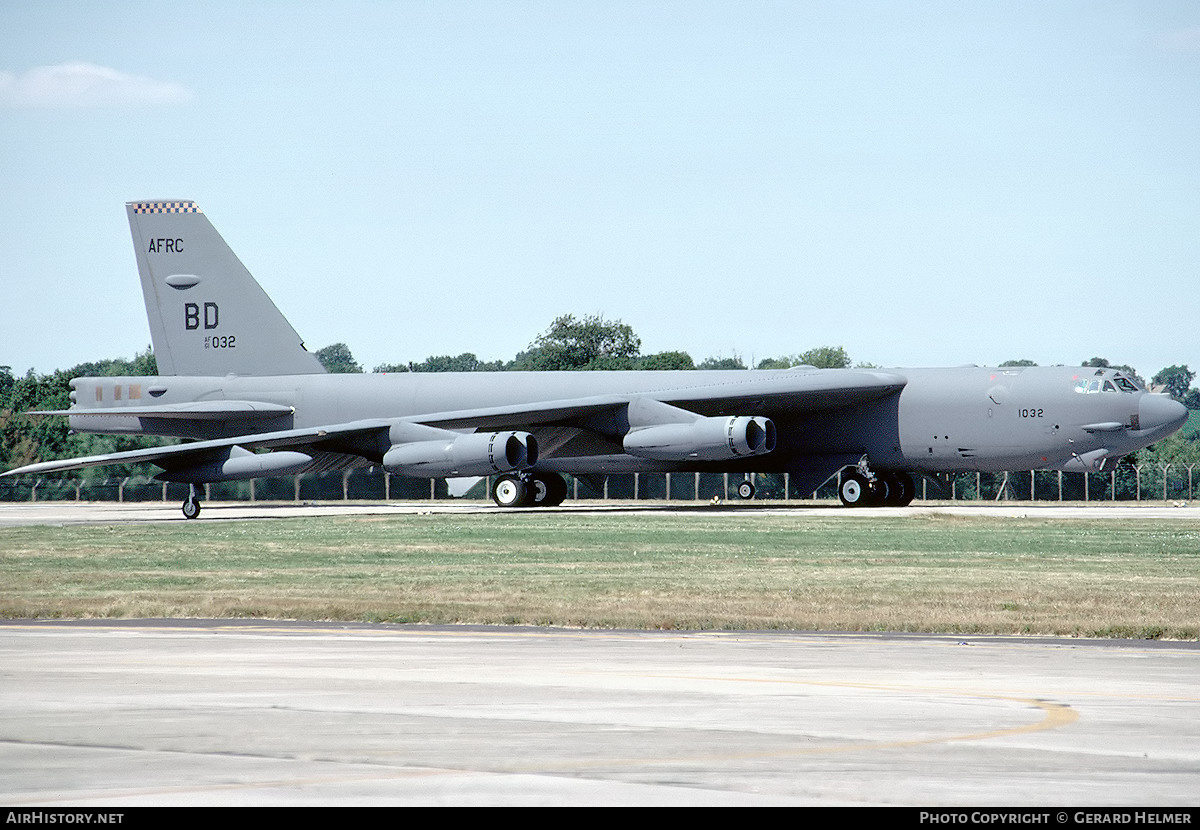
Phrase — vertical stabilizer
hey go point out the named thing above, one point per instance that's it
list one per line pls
(208, 315)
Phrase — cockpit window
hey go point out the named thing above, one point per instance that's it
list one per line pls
(1118, 383)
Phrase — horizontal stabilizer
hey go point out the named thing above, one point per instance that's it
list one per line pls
(202, 410)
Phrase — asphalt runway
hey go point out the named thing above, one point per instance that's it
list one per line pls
(133, 713)
(14, 514)
(113, 714)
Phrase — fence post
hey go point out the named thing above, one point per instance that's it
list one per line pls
(1165, 467)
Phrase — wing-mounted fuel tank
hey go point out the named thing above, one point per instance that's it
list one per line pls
(667, 433)
(236, 464)
(427, 452)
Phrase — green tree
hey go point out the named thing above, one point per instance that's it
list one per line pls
(336, 358)
(666, 360)
(1180, 449)
(1177, 379)
(572, 344)
(822, 357)
(734, 362)
(465, 362)
(1018, 363)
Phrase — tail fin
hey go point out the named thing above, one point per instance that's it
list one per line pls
(208, 315)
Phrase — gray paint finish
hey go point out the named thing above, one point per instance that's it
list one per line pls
(236, 375)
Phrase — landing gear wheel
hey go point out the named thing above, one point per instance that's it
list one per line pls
(547, 490)
(855, 490)
(745, 489)
(509, 491)
(901, 489)
(191, 507)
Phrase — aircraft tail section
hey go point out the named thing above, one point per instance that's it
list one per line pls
(208, 315)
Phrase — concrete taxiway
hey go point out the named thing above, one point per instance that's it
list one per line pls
(14, 514)
(252, 712)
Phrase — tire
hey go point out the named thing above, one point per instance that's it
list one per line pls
(745, 489)
(901, 490)
(855, 490)
(509, 491)
(191, 508)
(546, 490)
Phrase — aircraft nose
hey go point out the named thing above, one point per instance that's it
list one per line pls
(1161, 412)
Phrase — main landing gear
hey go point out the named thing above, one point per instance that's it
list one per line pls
(884, 490)
(529, 490)
(191, 507)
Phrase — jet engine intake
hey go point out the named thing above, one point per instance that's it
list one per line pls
(704, 439)
(473, 454)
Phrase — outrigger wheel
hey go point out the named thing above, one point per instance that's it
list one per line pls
(191, 507)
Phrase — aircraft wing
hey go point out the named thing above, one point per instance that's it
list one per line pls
(776, 395)
(603, 417)
(184, 455)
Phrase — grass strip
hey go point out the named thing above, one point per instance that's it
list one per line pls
(953, 574)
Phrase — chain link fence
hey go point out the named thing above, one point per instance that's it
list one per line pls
(1146, 482)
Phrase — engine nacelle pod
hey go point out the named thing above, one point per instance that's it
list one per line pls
(705, 439)
(473, 454)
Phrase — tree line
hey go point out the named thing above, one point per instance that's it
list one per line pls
(570, 344)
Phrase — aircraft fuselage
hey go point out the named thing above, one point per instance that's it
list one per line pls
(935, 420)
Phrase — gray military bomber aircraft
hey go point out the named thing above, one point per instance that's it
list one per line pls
(237, 381)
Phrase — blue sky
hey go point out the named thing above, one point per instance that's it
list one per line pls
(923, 184)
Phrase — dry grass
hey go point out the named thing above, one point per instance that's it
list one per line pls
(724, 571)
